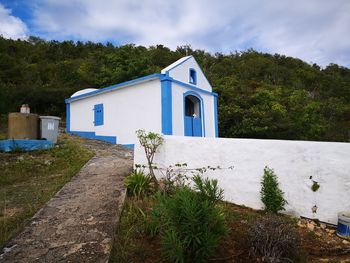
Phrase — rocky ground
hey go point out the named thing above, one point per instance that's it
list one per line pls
(321, 241)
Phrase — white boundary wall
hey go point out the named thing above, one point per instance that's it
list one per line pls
(294, 163)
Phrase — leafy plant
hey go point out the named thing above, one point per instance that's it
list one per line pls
(138, 184)
(208, 189)
(150, 142)
(191, 225)
(275, 239)
(173, 177)
(178, 175)
(271, 195)
(315, 186)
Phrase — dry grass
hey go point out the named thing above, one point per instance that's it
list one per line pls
(29, 180)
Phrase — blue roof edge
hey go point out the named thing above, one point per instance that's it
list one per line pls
(134, 81)
(116, 86)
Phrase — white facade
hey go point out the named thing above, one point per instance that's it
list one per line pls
(178, 101)
(298, 164)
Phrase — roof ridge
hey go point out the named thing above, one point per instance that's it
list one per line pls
(175, 64)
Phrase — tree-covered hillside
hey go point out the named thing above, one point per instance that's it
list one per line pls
(261, 95)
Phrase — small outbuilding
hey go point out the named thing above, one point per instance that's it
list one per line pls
(178, 101)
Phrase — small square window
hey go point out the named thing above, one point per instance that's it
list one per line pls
(98, 115)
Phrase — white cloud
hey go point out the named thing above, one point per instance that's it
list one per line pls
(313, 30)
(11, 26)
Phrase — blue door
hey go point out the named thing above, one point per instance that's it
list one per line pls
(188, 126)
(197, 127)
(193, 120)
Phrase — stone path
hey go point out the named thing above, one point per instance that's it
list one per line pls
(77, 224)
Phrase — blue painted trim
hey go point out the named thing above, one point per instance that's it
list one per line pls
(167, 108)
(193, 93)
(68, 117)
(130, 146)
(24, 145)
(216, 116)
(194, 88)
(116, 86)
(92, 135)
(179, 64)
(193, 72)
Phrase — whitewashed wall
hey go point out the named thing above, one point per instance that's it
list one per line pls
(125, 110)
(293, 161)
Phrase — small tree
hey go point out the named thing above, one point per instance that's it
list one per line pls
(271, 195)
(150, 142)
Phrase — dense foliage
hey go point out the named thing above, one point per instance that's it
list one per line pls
(261, 95)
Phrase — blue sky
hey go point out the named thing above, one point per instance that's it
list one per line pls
(317, 31)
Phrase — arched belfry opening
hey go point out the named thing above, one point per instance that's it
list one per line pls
(193, 116)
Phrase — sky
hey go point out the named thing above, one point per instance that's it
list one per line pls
(316, 31)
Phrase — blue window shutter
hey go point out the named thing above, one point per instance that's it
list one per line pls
(98, 114)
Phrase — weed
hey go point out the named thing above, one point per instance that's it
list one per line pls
(191, 225)
(315, 186)
(131, 234)
(138, 184)
(274, 239)
(209, 189)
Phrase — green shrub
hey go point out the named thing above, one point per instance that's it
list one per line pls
(191, 225)
(271, 195)
(209, 189)
(138, 184)
(275, 239)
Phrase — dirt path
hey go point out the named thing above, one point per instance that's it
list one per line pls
(77, 224)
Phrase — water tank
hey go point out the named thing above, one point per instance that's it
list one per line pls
(49, 128)
(23, 126)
